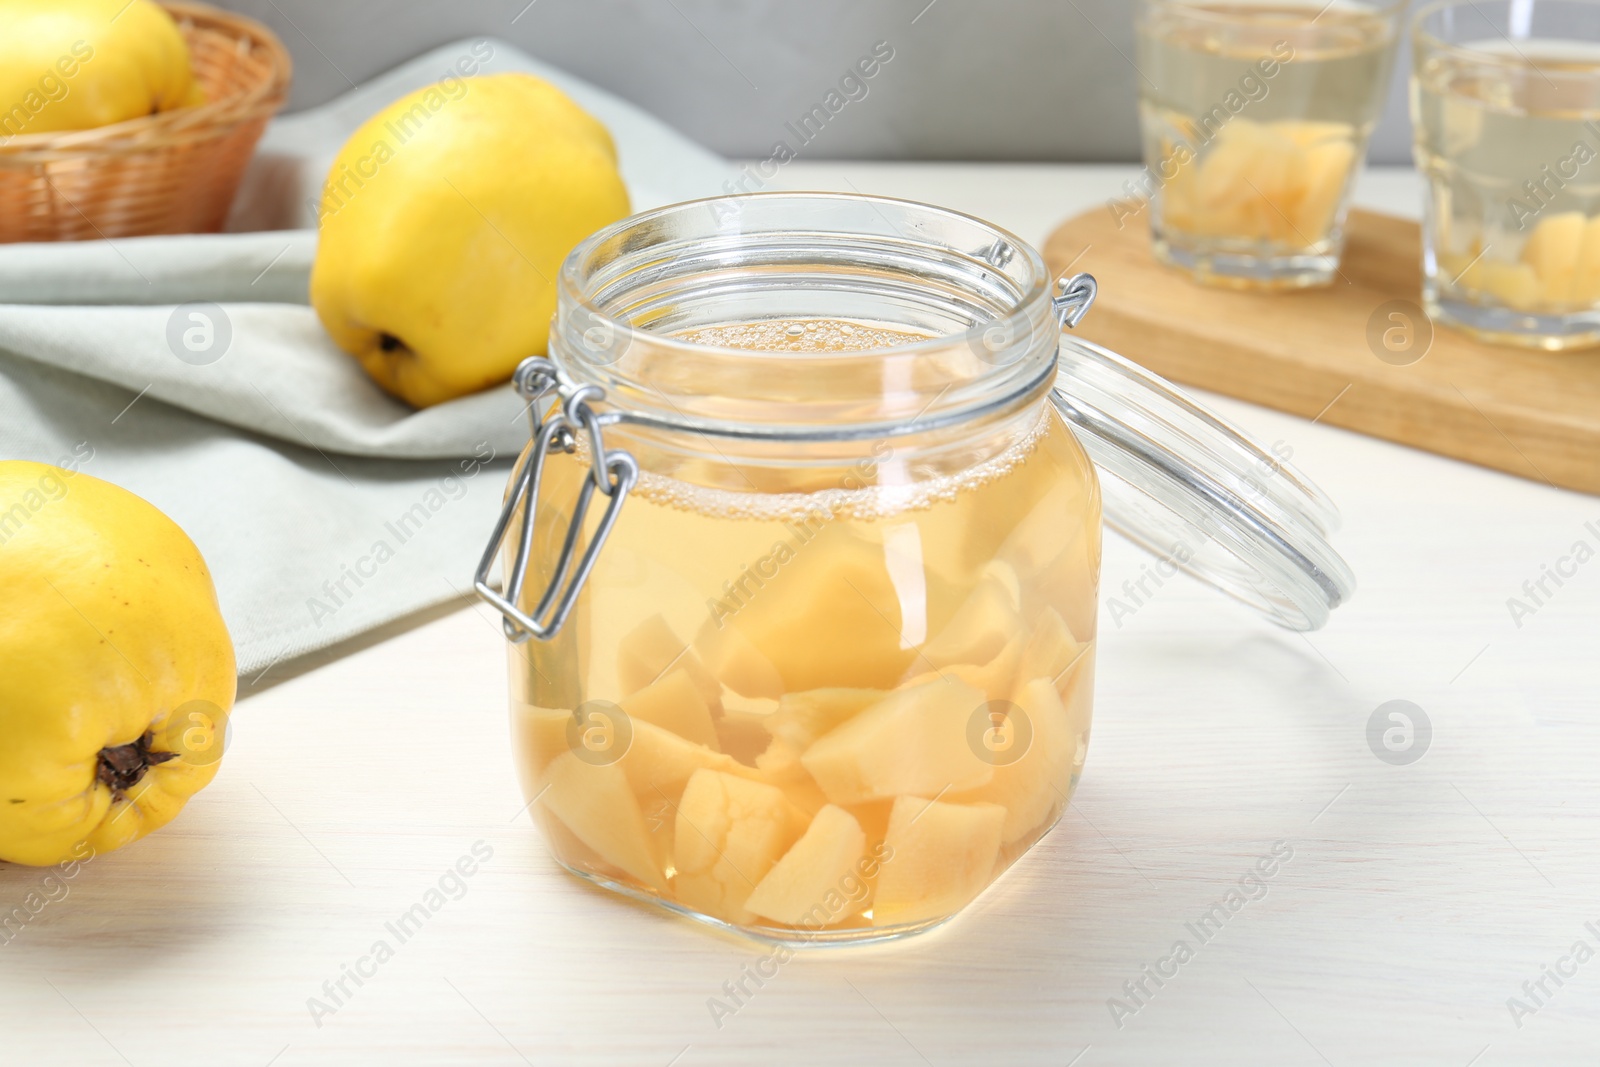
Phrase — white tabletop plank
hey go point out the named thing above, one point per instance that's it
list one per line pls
(1417, 900)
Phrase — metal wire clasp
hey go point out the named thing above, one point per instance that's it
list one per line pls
(1077, 297)
(613, 473)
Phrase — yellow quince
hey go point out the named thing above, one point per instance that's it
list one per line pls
(1278, 181)
(444, 222)
(79, 64)
(116, 671)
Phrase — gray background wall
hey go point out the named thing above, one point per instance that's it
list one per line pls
(971, 79)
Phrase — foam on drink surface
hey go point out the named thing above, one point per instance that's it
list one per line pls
(801, 335)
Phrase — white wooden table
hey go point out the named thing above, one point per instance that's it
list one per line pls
(1418, 898)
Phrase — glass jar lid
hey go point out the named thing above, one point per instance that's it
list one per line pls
(1187, 486)
(1176, 479)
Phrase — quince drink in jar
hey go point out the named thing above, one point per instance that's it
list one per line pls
(1506, 106)
(1255, 120)
(802, 563)
(853, 696)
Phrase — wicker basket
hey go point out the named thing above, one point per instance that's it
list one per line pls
(173, 172)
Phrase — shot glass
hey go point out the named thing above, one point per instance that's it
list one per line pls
(1255, 119)
(1505, 100)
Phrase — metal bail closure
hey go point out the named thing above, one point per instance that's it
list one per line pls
(1195, 491)
(1077, 297)
(613, 473)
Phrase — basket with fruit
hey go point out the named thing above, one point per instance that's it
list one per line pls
(122, 119)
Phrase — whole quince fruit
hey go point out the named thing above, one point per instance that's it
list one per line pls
(78, 64)
(444, 222)
(116, 671)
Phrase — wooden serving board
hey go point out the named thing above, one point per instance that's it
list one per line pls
(1313, 352)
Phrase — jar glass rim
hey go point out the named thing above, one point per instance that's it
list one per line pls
(982, 292)
(571, 283)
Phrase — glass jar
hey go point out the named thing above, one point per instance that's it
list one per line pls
(801, 564)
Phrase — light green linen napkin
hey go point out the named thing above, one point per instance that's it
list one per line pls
(190, 371)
